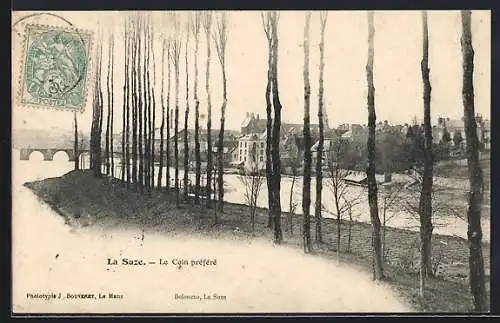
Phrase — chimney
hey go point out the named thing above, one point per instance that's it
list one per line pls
(258, 116)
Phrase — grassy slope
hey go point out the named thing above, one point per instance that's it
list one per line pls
(84, 200)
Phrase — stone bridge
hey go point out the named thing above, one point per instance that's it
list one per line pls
(48, 154)
(48, 143)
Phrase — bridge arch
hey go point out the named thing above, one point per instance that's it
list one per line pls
(61, 156)
(36, 155)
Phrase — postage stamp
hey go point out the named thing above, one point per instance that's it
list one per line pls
(55, 67)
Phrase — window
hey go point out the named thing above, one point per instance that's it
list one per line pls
(245, 151)
(241, 144)
(262, 151)
(245, 159)
(240, 158)
(261, 158)
(254, 145)
(262, 145)
(245, 144)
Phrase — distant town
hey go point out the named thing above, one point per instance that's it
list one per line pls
(248, 145)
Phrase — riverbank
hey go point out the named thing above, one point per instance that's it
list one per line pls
(85, 201)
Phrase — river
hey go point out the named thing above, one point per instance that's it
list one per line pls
(396, 217)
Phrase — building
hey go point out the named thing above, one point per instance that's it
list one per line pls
(254, 130)
(229, 143)
(456, 129)
(353, 131)
(253, 124)
(251, 151)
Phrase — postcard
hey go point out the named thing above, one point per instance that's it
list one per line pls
(225, 162)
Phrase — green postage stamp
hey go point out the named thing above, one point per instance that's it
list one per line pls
(55, 67)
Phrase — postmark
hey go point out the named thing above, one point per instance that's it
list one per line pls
(55, 67)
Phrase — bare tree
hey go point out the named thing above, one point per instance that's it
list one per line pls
(306, 191)
(391, 193)
(75, 146)
(112, 119)
(153, 108)
(267, 24)
(163, 116)
(292, 205)
(147, 103)
(425, 207)
(195, 28)
(186, 117)
(125, 110)
(349, 205)
(96, 128)
(474, 233)
(207, 26)
(275, 147)
(108, 137)
(340, 166)
(220, 39)
(140, 99)
(252, 180)
(176, 50)
(134, 65)
(378, 264)
(169, 114)
(321, 103)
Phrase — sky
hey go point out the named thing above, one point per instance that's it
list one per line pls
(397, 75)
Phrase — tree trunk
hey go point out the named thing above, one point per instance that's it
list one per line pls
(339, 224)
(378, 272)
(134, 104)
(186, 120)
(97, 122)
(384, 227)
(176, 133)
(220, 149)
(124, 163)
(276, 161)
(146, 106)
(75, 146)
(349, 234)
(269, 126)
(425, 205)
(197, 147)
(162, 125)
(112, 108)
(169, 116)
(319, 159)
(306, 191)
(108, 112)
(140, 106)
(221, 40)
(474, 233)
(290, 207)
(153, 113)
(209, 109)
